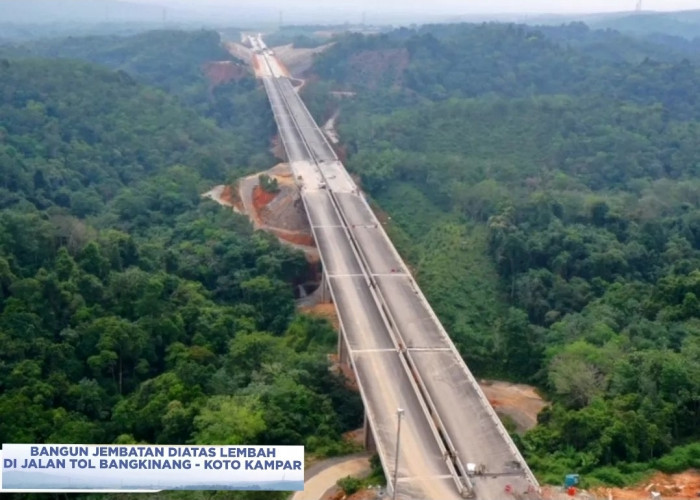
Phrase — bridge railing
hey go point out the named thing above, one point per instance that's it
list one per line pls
(410, 367)
(407, 370)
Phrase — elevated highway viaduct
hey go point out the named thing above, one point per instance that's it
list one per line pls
(452, 443)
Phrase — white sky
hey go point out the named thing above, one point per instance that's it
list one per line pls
(441, 6)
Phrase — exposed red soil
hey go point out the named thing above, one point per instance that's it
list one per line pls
(684, 485)
(283, 68)
(220, 72)
(326, 311)
(336, 495)
(363, 495)
(256, 64)
(296, 238)
(227, 194)
(238, 51)
(357, 436)
(299, 239)
(261, 198)
(230, 196)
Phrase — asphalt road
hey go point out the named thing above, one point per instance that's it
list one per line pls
(291, 138)
(383, 374)
(312, 134)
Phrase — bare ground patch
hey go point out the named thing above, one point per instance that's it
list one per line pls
(280, 213)
(298, 60)
(519, 402)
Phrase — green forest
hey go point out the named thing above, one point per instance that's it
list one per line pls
(132, 310)
(544, 185)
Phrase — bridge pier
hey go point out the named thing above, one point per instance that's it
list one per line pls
(343, 354)
(325, 291)
(370, 444)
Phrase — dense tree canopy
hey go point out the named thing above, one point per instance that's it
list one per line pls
(545, 189)
(130, 310)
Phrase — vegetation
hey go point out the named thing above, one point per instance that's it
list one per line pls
(547, 197)
(350, 485)
(543, 184)
(148, 58)
(268, 184)
(130, 310)
(144, 55)
(376, 478)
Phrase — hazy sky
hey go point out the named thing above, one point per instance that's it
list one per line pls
(443, 6)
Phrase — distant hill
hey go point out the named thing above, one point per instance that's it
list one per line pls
(612, 45)
(684, 24)
(142, 55)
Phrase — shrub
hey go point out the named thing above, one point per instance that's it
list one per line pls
(609, 476)
(680, 459)
(268, 184)
(349, 485)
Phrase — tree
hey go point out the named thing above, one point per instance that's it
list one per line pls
(229, 420)
(121, 349)
(268, 184)
(271, 299)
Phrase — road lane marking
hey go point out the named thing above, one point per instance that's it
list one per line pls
(366, 351)
(429, 349)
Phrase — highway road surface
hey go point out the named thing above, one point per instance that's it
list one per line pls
(402, 356)
(381, 373)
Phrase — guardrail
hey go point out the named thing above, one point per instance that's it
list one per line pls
(470, 377)
(363, 393)
(414, 372)
(444, 441)
(375, 296)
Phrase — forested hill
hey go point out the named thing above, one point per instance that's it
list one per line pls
(683, 23)
(175, 61)
(438, 62)
(169, 59)
(548, 200)
(130, 310)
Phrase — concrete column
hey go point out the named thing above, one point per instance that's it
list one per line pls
(325, 291)
(343, 355)
(370, 444)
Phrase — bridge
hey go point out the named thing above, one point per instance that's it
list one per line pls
(435, 432)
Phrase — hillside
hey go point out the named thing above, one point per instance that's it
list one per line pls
(147, 56)
(684, 24)
(546, 194)
(438, 62)
(130, 309)
(191, 65)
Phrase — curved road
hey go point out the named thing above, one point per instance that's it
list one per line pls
(321, 477)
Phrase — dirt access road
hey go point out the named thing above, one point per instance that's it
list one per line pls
(321, 477)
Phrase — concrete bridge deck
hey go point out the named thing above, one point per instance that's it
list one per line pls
(401, 354)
